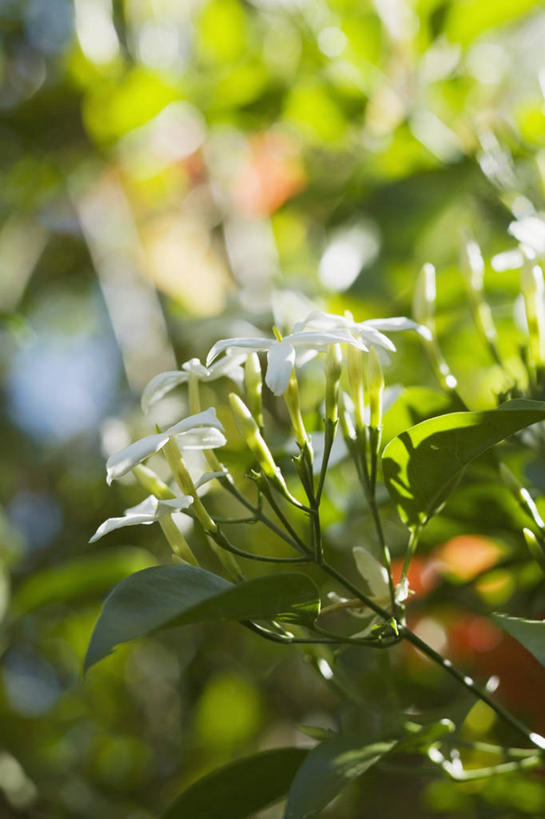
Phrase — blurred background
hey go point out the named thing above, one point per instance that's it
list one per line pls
(172, 171)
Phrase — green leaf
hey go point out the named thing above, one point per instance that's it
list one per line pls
(327, 770)
(240, 789)
(178, 595)
(423, 464)
(79, 579)
(529, 633)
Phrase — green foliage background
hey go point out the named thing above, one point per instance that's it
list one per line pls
(166, 167)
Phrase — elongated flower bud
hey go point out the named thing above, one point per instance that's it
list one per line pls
(375, 388)
(333, 370)
(253, 381)
(424, 297)
(291, 397)
(354, 361)
(147, 478)
(248, 428)
(473, 264)
(534, 547)
(532, 287)
(183, 479)
(473, 270)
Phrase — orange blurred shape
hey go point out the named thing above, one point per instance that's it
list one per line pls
(271, 174)
(469, 635)
(465, 556)
(423, 575)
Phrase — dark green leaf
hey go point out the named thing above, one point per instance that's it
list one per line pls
(529, 633)
(240, 789)
(179, 595)
(327, 770)
(79, 579)
(423, 464)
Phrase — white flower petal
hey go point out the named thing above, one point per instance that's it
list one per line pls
(202, 438)
(254, 344)
(123, 461)
(209, 476)
(318, 339)
(372, 337)
(194, 367)
(119, 523)
(529, 231)
(229, 366)
(159, 386)
(207, 418)
(148, 511)
(280, 361)
(508, 260)
(373, 572)
(391, 325)
(318, 320)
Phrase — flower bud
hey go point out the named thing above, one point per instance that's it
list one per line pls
(473, 264)
(534, 547)
(291, 397)
(354, 361)
(147, 478)
(424, 297)
(531, 281)
(375, 388)
(249, 430)
(185, 482)
(253, 381)
(333, 370)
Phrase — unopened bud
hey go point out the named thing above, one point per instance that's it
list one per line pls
(253, 381)
(532, 286)
(534, 547)
(185, 482)
(248, 428)
(424, 297)
(354, 362)
(473, 264)
(333, 370)
(147, 478)
(291, 397)
(375, 388)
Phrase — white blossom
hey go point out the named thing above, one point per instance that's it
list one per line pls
(281, 354)
(200, 431)
(148, 511)
(160, 385)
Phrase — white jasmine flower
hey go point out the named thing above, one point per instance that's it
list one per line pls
(369, 332)
(230, 366)
(281, 354)
(200, 431)
(150, 510)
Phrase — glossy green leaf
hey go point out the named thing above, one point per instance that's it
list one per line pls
(79, 579)
(178, 595)
(240, 789)
(529, 633)
(327, 770)
(423, 464)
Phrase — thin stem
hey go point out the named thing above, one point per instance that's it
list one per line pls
(468, 683)
(225, 543)
(411, 549)
(428, 651)
(292, 539)
(301, 545)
